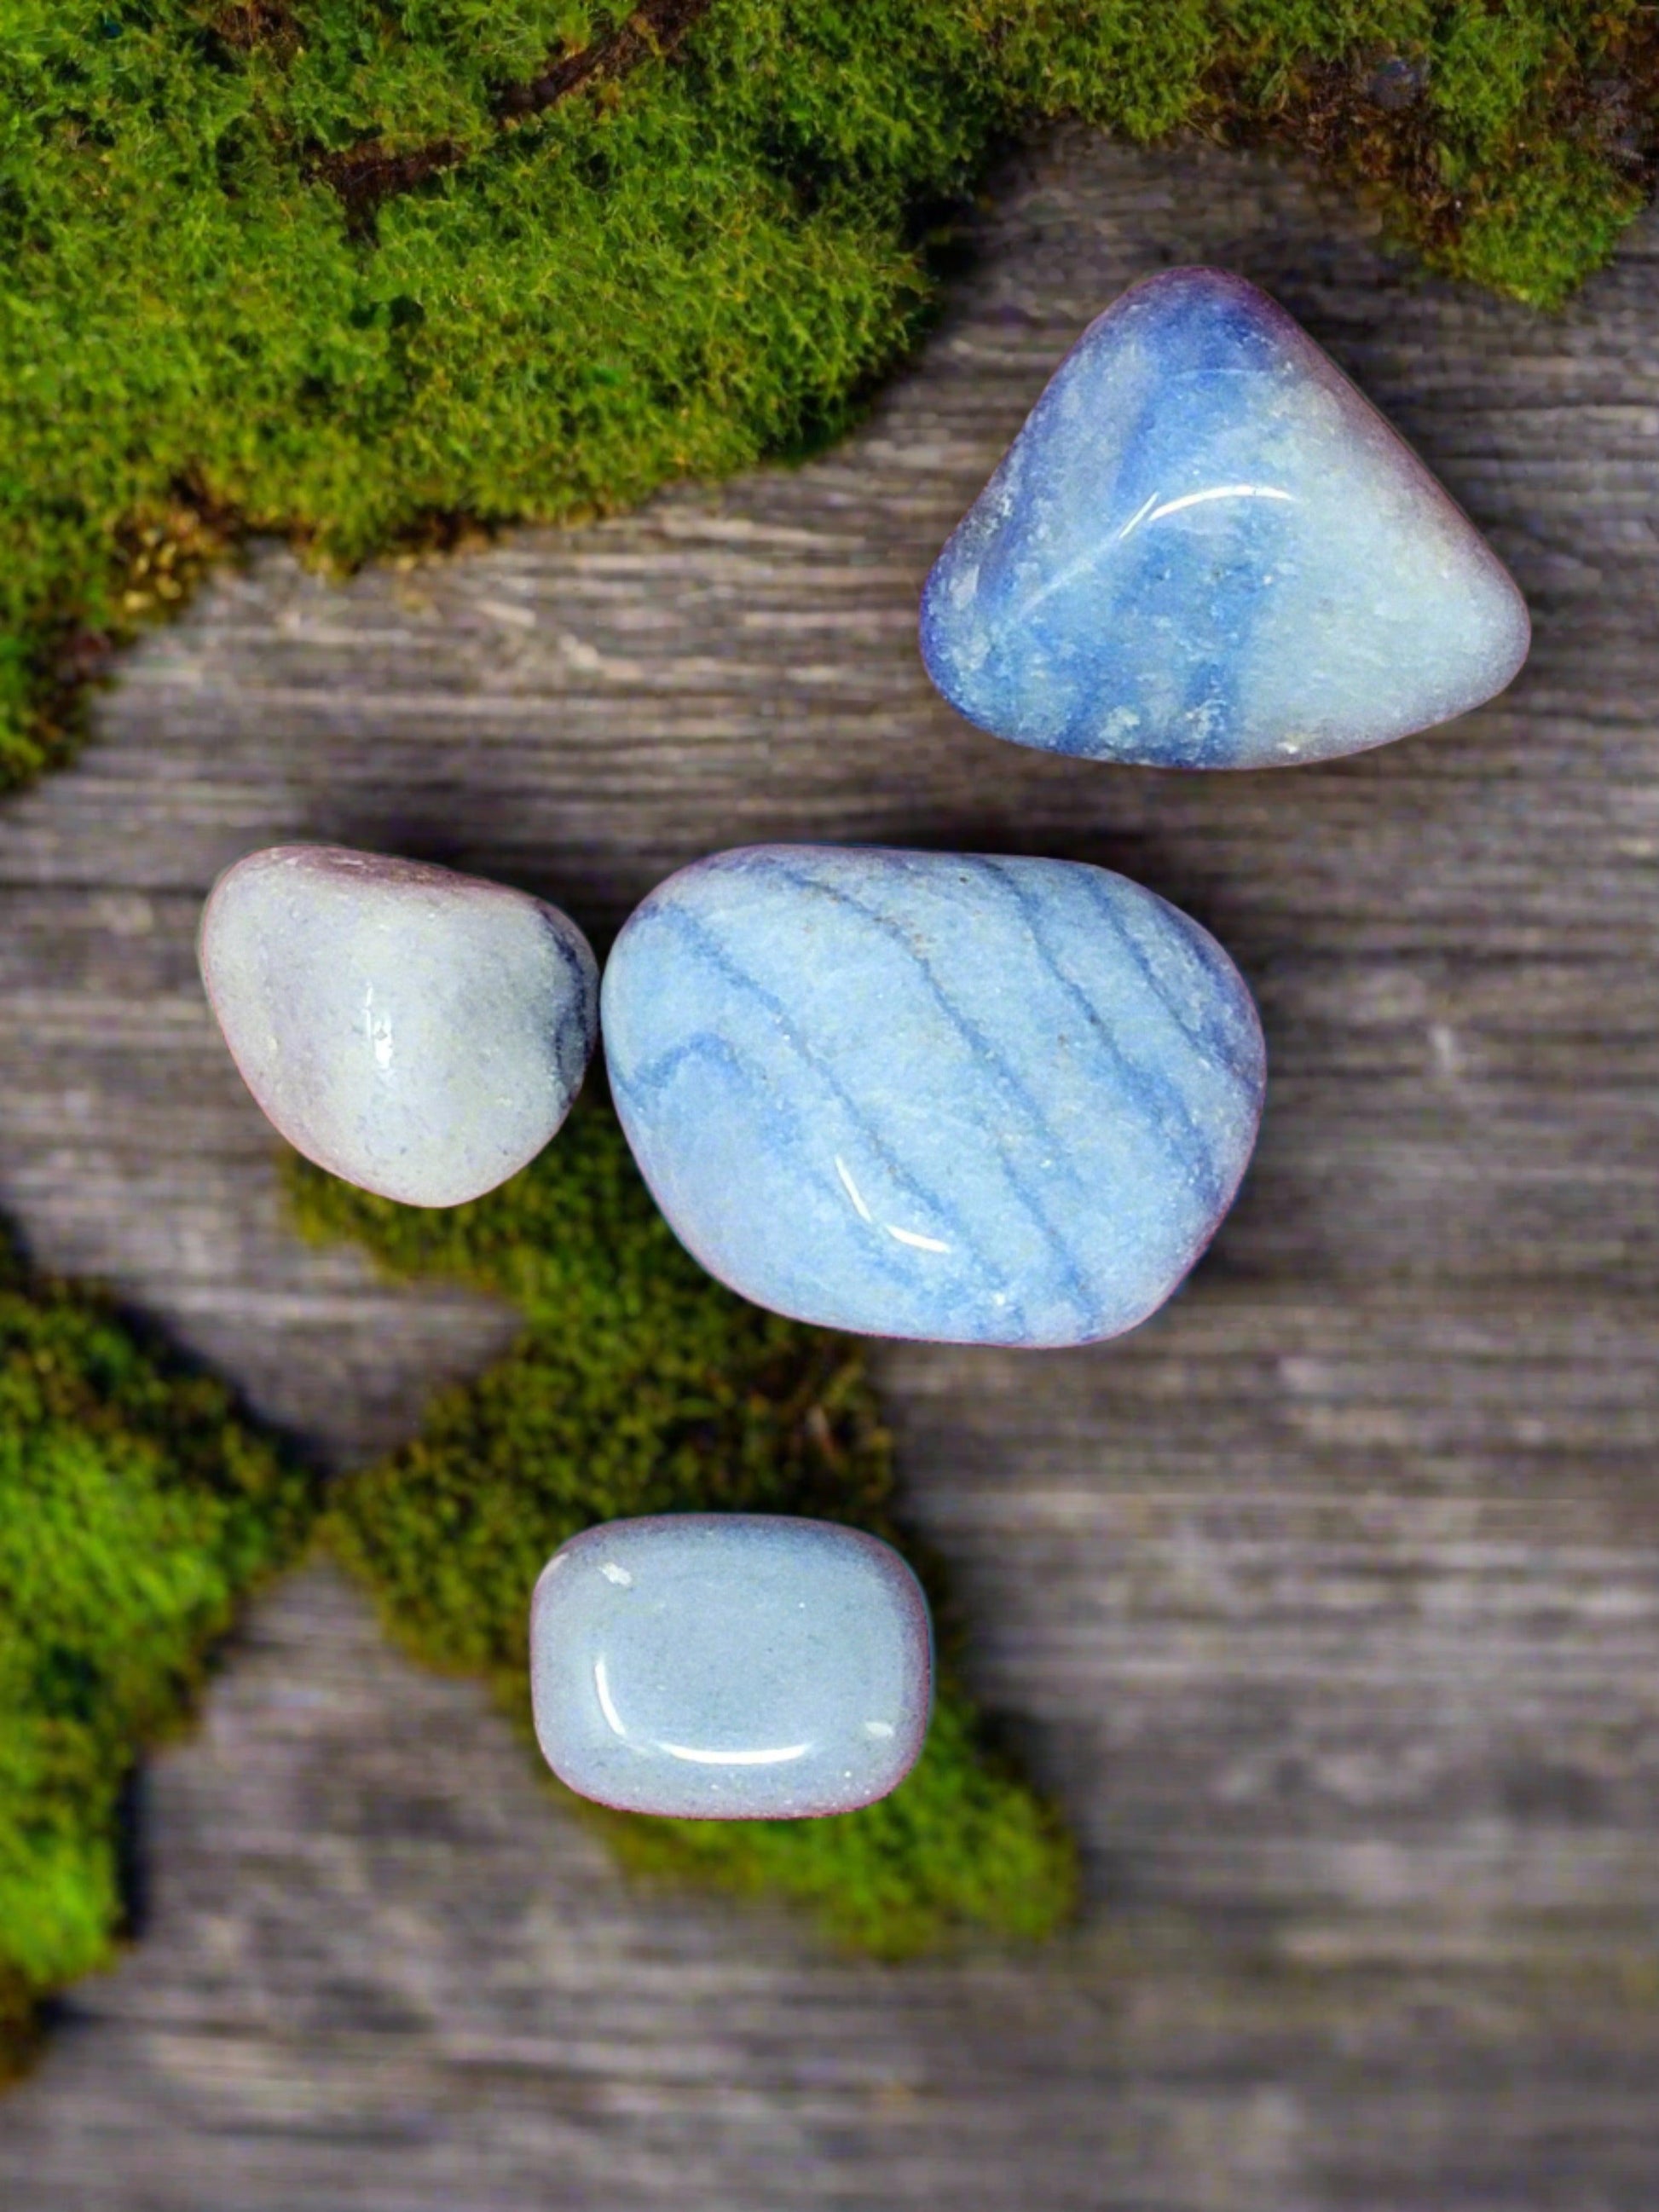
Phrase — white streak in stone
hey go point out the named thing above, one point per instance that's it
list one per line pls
(1219, 491)
(767, 1757)
(852, 1189)
(377, 1030)
(911, 1236)
(915, 1239)
(1138, 517)
(607, 1703)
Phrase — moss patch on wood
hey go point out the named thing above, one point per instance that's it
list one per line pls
(343, 268)
(136, 1511)
(640, 1385)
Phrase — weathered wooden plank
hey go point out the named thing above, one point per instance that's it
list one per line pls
(1329, 1603)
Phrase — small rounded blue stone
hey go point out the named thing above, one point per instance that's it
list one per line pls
(738, 1665)
(933, 1095)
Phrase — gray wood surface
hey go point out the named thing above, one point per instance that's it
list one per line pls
(1329, 1603)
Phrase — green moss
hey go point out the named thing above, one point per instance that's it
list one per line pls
(1486, 66)
(135, 1508)
(1536, 226)
(306, 263)
(641, 1386)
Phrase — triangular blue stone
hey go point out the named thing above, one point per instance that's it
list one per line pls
(1205, 549)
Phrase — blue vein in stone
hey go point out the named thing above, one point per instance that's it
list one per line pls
(653, 1075)
(975, 1036)
(1219, 1039)
(580, 1015)
(1161, 1100)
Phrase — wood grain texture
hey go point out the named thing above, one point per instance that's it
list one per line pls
(1328, 1603)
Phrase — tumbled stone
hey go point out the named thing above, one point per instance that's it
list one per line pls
(418, 1032)
(738, 1665)
(1206, 549)
(927, 1095)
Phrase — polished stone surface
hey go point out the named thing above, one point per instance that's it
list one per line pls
(930, 1095)
(1206, 549)
(418, 1032)
(729, 1666)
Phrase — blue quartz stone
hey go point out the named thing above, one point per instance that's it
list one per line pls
(1205, 549)
(738, 1665)
(929, 1094)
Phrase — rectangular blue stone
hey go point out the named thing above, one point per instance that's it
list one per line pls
(729, 1666)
